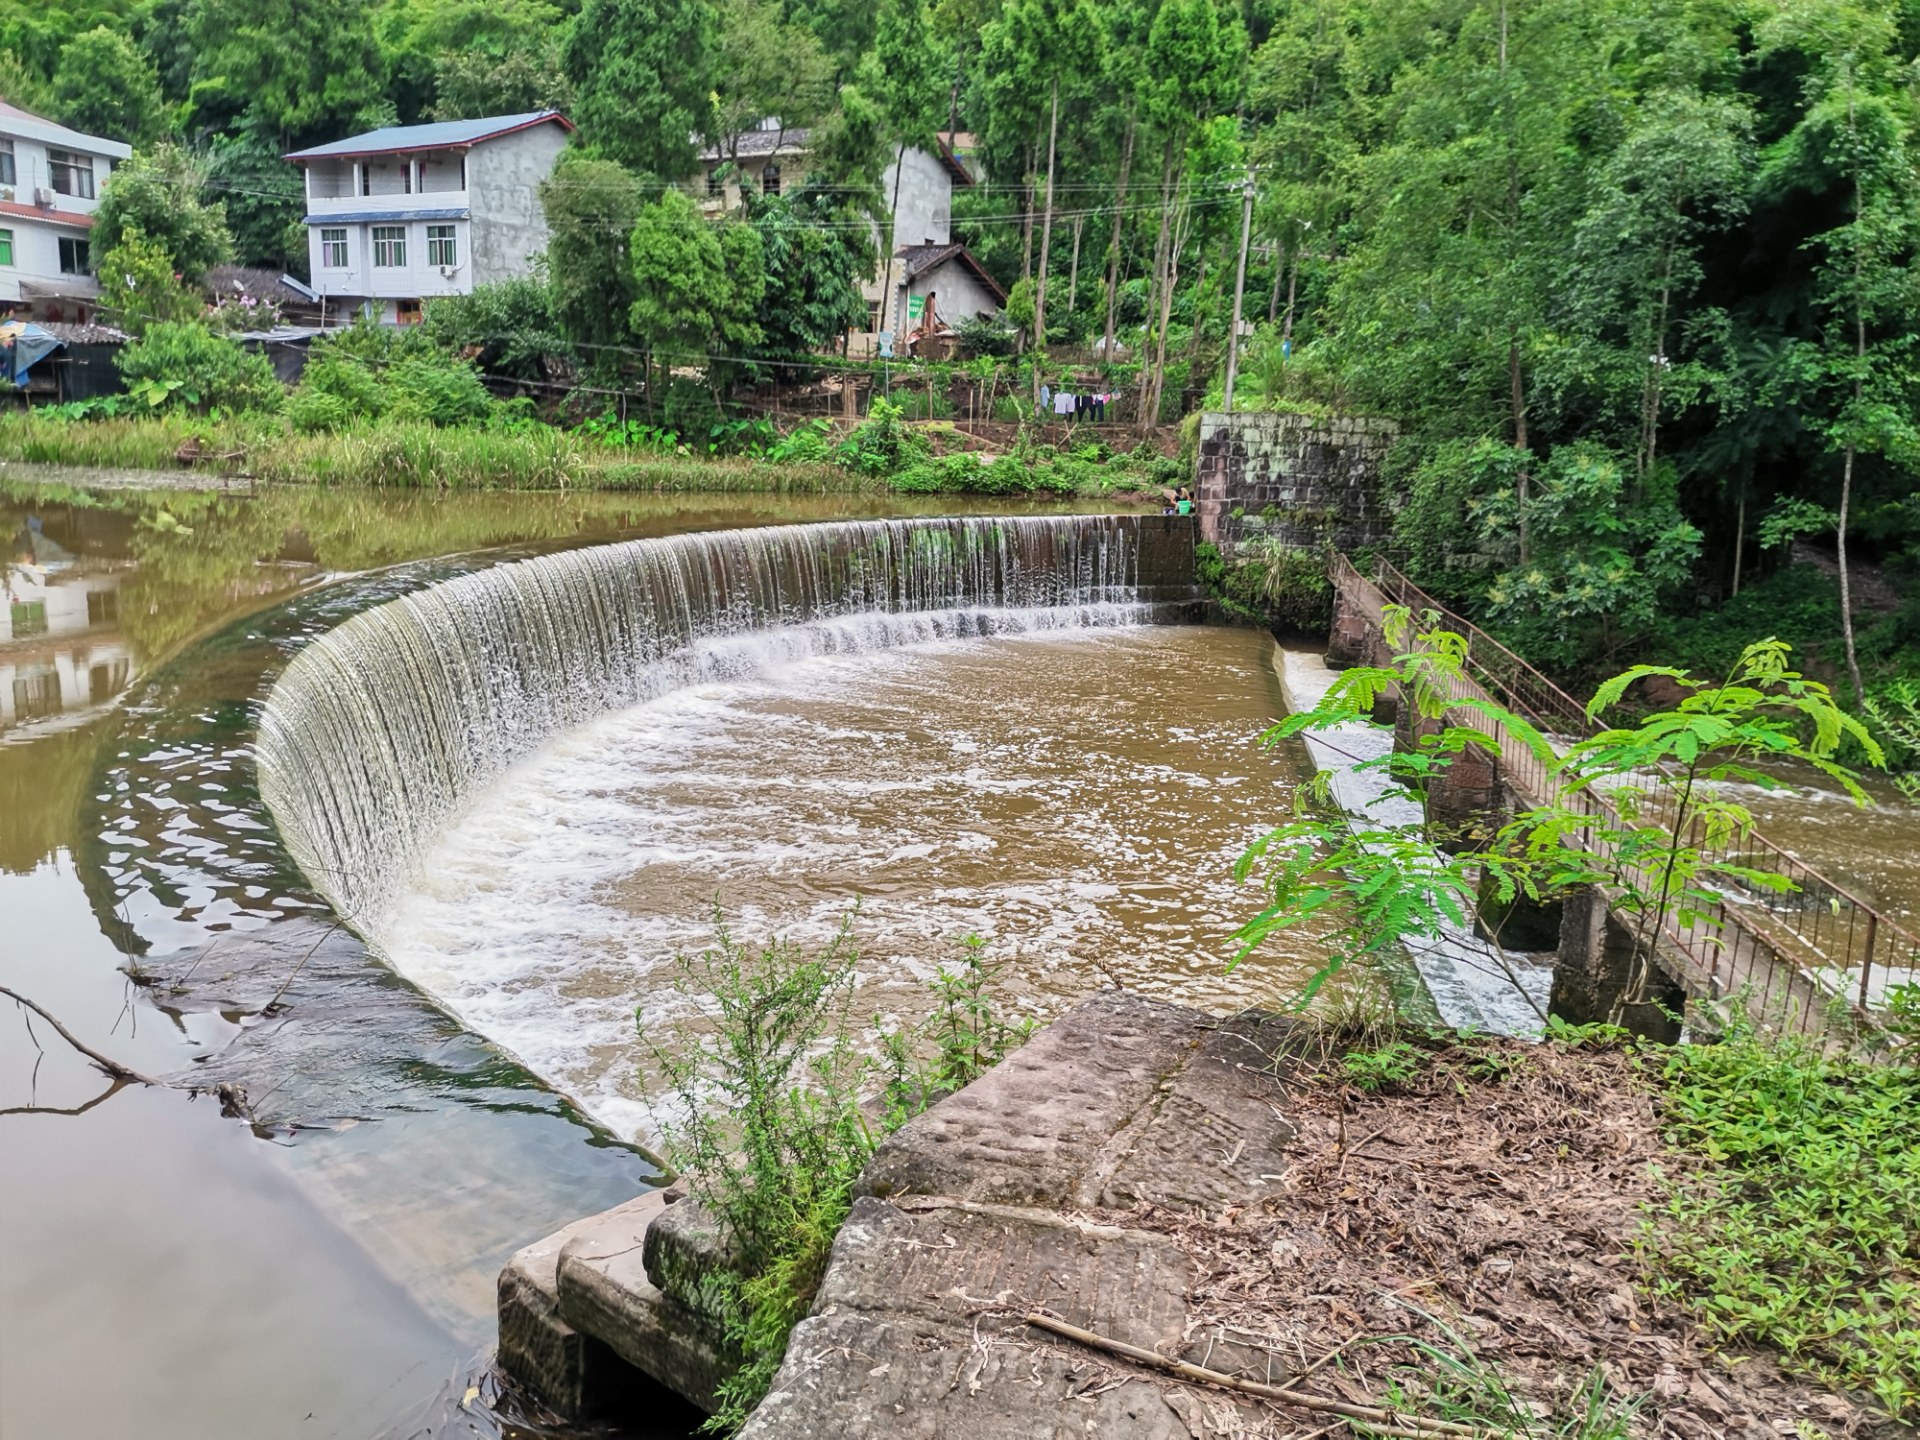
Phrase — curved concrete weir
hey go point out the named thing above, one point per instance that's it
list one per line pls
(378, 732)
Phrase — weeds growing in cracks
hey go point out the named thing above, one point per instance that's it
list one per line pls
(781, 1097)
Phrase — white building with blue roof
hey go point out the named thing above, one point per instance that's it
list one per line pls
(398, 216)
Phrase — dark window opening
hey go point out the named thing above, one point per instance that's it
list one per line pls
(770, 180)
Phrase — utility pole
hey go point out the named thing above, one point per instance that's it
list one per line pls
(1239, 290)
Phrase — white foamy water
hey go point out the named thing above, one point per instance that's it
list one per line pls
(1076, 797)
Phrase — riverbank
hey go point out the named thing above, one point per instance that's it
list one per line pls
(925, 459)
(1169, 1225)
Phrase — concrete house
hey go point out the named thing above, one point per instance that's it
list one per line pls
(772, 158)
(50, 181)
(398, 216)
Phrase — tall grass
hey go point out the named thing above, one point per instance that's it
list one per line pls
(401, 454)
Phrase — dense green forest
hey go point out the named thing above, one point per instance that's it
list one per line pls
(1634, 278)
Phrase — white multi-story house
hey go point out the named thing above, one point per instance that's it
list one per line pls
(50, 181)
(400, 215)
(918, 188)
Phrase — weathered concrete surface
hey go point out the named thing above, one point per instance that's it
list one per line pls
(968, 1222)
(1123, 1100)
(971, 1216)
(1304, 480)
(577, 1310)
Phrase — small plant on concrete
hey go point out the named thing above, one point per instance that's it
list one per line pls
(780, 1106)
(771, 1134)
(1662, 845)
(968, 1033)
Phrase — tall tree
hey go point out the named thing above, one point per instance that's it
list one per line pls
(1854, 136)
(642, 73)
(766, 68)
(697, 286)
(299, 70)
(591, 206)
(904, 75)
(106, 86)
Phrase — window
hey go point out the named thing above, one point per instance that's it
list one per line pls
(28, 617)
(6, 247)
(770, 180)
(408, 312)
(6, 163)
(716, 184)
(72, 174)
(390, 246)
(442, 248)
(103, 607)
(333, 249)
(873, 317)
(73, 256)
(36, 693)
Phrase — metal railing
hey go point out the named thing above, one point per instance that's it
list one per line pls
(1803, 958)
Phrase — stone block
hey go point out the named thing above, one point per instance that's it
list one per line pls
(604, 1291)
(538, 1347)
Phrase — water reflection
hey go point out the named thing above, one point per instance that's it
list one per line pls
(62, 655)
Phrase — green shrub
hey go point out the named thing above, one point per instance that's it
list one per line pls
(883, 443)
(314, 411)
(343, 377)
(182, 366)
(438, 389)
(1803, 1234)
(776, 1121)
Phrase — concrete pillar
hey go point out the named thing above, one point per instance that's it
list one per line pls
(1464, 799)
(1594, 968)
(1520, 923)
(1352, 640)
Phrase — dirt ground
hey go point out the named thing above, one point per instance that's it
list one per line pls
(1488, 1208)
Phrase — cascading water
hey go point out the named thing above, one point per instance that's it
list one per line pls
(377, 732)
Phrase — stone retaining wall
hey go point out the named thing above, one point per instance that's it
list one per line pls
(1309, 481)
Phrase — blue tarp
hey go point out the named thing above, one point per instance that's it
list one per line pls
(22, 346)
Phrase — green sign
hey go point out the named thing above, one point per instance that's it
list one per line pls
(916, 306)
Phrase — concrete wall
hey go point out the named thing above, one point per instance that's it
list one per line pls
(924, 212)
(1309, 481)
(503, 178)
(957, 295)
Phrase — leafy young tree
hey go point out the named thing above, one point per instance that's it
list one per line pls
(642, 72)
(469, 84)
(591, 206)
(162, 195)
(813, 269)
(106, 86)
(697, 286)
(139, 287)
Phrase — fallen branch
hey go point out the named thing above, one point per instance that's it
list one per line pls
(111, 1067)
(1386, 1422)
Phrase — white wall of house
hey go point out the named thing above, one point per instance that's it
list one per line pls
(44, 162)
(361, 277)
(958, 295)
(923, 213)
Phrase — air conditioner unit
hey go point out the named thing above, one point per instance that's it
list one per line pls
(43, 197)
(447, 272)
(6, 192)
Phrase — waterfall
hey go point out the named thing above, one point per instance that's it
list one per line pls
(375, 734)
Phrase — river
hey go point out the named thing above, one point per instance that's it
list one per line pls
(463, 1075)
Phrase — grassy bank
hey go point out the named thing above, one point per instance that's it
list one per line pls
(413, 454)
